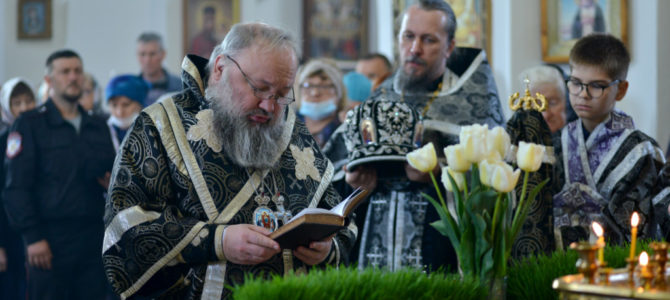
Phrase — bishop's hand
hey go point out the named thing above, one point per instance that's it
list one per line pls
(316, 253)
(247, 244)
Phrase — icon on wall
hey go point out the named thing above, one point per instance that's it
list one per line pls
(34, 19)
(206, 23)
(565, 21)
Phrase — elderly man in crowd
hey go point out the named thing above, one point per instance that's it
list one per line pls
(204, 177)
(150, 55)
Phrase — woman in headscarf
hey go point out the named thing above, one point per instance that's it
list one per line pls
(16, 97)
(321, 96)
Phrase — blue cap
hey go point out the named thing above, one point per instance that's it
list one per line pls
(131, 86)
(358, 86)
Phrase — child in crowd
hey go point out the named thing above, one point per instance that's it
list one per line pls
(16, 96)
(126, 95)
(607, 168)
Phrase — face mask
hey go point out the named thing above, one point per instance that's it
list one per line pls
(123, 123)
(317, 110)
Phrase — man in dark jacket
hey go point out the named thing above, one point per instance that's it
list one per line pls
(58, 157)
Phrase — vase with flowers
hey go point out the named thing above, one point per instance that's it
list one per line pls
(484, 218)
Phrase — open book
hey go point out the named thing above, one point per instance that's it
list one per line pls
(315, 224)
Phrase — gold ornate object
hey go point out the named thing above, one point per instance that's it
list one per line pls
(528, 102)
(646, 276)
(586, 264)
(660, 258)
(574, 287)
(604, 275)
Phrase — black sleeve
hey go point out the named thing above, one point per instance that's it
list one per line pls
(19, 197)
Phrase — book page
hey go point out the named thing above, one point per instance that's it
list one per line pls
(311, 210)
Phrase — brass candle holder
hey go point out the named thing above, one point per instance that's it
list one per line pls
(632, 263)
(646, 276)
(660, 258)
(604, 274)
(586, 264)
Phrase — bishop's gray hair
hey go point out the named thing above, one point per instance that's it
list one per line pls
(243, 36)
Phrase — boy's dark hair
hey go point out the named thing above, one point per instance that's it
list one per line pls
(603, 51)
(63, 53)
(372, 56)
(21, 89)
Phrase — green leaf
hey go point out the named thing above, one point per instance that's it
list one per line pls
(449, 224)
(458, 198)
(467, 260)
(481, 200)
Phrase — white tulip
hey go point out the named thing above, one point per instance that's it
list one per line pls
(458, 177)
(503, 178)
(529, 156)
(455, 155)
(473, 138)
(423, 159)
(498, 141)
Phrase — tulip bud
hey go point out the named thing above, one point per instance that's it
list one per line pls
(498, 141)
(455, 155)
(473, 139)
(458, 177)
(529, 156)
(423, 159)
(504, 178)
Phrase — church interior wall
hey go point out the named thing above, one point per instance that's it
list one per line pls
(104, 33)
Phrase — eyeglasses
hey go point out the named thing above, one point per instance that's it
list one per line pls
(593, 89)
(264, 93)
(317, 87)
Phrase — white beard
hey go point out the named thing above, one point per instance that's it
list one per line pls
(246, 144)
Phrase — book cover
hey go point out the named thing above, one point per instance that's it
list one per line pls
(315, 224)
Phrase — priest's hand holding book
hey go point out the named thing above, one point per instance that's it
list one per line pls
(310, 234)
(248, 244)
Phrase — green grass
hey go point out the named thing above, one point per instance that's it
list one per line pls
(349, 283)
(531, 278)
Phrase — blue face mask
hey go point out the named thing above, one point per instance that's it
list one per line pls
(317, 110)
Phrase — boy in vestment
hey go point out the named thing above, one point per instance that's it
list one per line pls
(607, 168)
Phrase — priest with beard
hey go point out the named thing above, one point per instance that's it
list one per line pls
(203, 177)
(447, 87)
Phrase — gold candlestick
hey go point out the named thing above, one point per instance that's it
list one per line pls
(632, 263)
(586, 264)
(645, 274)
(604, 274)
(660, 258)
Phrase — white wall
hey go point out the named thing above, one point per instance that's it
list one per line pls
(286, 14)
(104, 33)
(663, 64)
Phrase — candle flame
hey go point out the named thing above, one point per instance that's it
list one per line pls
(635, 219)
(644, 258)
(597, 229)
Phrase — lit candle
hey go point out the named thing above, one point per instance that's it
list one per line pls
(634, 220)
(644, 259)
(644, 270)
(598, 230)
